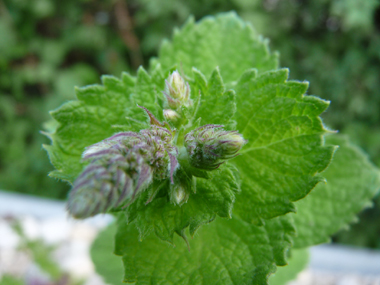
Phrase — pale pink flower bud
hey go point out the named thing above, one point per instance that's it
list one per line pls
(209, 146)
(177, 91)
(171, 116)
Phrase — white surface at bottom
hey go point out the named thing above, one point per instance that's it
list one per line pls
(324, 258)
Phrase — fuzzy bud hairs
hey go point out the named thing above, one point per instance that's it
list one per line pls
(209, 146)
(120, 168)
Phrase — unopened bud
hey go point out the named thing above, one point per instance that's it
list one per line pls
(179, 193)
(171, 115)
(177, 91)
(209, 146)
(176, 86)
(230, 143)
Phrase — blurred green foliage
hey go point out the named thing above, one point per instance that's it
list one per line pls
(8, 279)
(41, 256)
(47, 47)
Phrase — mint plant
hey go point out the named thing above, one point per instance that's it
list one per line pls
(213, 142)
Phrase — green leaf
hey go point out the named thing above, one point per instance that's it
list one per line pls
(224, 40)
(214, 196)
(217, 106)
(224, 252)
(352, 181)
(107, 264)
(101, 111)
(147, 91)
(285, 152)
(297, 262)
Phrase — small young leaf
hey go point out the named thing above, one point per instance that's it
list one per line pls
(284, 153)
(214, 196)
(352, 180)
(224, 252)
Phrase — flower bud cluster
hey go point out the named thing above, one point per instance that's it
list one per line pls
(120, 168)
(125, 164)
(209, 146)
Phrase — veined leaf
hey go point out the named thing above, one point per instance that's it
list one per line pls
(225, 41)
(224, 252)
(285, 152)
(352, 180)
(217, 105)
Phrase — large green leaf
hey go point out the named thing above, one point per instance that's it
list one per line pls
(214, 196)
(224, 252)
(352, 180)
(101, 111)
(217, 105)
(285, 151)
(225, 41)
(108, 265)
(297, 262)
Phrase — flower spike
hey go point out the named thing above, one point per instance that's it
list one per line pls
(120, 168)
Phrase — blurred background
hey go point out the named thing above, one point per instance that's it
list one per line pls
(47, 47)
